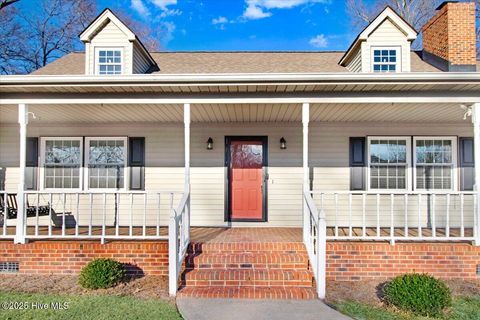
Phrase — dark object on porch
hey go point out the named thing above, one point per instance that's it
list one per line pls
(12, 208)
(418, 293)
(101, 274)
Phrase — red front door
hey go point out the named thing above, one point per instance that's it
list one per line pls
(246, 179)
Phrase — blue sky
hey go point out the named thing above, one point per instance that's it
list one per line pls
(243, 24)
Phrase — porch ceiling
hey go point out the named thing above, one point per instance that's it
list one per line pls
(220, 113)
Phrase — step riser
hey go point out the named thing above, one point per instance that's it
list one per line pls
(249, 293)
(247, 283)
(199, 248)
(247, 266)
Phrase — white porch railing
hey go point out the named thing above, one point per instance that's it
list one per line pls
(6, 211)
(95, 215)
(178, 240)
(314, 237)
(405, 216)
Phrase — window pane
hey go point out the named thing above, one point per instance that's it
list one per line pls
(62, 160)
(106, 163)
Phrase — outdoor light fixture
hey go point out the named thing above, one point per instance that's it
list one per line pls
(283, 143)
(210, 143)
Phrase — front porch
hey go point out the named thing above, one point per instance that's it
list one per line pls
(180, 183)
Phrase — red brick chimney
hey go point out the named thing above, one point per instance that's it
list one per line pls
(449, 38)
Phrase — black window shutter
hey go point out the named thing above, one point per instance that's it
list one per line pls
(31, 164)
(357, 163)
(467, 164)
(136, 162)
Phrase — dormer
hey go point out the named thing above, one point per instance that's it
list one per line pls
(383, 46)
(111, 48)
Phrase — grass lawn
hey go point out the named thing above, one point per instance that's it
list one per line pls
(83, 307)
(464, 308)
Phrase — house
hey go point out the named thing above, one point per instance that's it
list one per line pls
(248, 174)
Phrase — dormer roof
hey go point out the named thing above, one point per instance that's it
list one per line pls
(387, 14)
(104, 18)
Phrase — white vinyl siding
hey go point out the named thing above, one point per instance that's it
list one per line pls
(140, 62)
(355, 64)
(110, 36)
(164, 163)
(386, 35)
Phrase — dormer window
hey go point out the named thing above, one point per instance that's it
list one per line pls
(385, 59)
(109, 61)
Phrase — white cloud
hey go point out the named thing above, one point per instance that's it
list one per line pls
(319, 41)
(163, 4)
(258, 9)
(140, 7)
(168, 29)
(219, 20)
(170, 12)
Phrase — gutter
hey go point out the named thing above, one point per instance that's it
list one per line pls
(243, 78)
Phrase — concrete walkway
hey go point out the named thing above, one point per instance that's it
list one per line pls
(243, 309)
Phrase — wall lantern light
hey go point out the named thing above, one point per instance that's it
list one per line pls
(283, 143)
(210, 143)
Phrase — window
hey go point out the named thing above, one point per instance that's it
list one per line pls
(385, 59)
(388, 162)
(109, 61)
(61, 160)
(106, 159)
(435, 163)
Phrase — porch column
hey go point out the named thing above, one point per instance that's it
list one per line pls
(186, 120)
(476, 142)
(306, 171)
(20, 225)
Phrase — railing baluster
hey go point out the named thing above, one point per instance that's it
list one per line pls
(144, 214)
(378, 215)
(64, 200)
(405, 204)
(420, 232)
(462, 221)
(336, 215)
(104, 216)
(447, 228)
(434, 229)
(50, 204)
(117, 214)
(364, 222)
(158, 215)
(130, 231)
(91, 215)
(5, 213)
(392, 227)
(350, 229)
(36, 213)
(77, 220)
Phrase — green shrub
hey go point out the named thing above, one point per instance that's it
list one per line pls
(419, 293)
(101, 274)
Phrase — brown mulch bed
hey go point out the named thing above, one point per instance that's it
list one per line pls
(147, 287)
(370, 292)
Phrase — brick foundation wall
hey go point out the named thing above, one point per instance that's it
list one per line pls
(68, 257)
(350, 261)
(451, 35)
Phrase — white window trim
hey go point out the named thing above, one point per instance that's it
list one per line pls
(125, 156)
(408, 140)
(97, 63)
(398, 49)
(454, 161)
(42, 164)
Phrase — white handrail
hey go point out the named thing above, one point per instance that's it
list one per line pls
(178, 239)
(315, 239)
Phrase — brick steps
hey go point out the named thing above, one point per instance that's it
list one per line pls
(248, 292)
(248, 260)
(255, 270)
(233, 247)
(238, 277)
